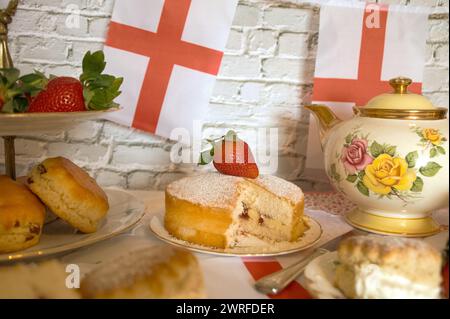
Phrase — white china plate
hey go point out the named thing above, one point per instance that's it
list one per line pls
(58, 236)
(26, 124)
(258, 248)
(320, 276)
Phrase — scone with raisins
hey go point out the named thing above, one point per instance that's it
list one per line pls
(21, 216)
(69, 192)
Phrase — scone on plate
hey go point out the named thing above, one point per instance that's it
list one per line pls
(154, 272)
(380, 267)
(46, 280)
(224, 211)
(49, 216)
(69, 192)
(21, 216)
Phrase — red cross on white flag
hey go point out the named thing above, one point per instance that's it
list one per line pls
(361, 46)
(169, 53)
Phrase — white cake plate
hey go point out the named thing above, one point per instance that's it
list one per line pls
(257, 248)
(30, 124)
(320, 277)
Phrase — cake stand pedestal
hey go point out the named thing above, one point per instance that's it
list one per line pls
(5, 63)
(10, 156)
(30, 124)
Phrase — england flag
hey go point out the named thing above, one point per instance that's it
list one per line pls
(169, 53)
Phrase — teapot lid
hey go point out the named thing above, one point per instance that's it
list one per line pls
(402, 104)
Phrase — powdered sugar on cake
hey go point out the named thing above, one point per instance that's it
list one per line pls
(218, 190)
(211, 189)
(280, 187)
(389, 243)
(123, 271)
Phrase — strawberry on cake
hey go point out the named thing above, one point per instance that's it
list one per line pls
(235, 206)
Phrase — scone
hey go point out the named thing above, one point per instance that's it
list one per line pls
(223, 211)
(43, 281)
(149, 273)
(21, 216)
(69, 192)
(378, 267)
(49, 216)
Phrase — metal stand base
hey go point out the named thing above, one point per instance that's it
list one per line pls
(10, 156)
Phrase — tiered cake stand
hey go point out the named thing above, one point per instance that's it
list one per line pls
(30, 124)
(125, 210)
(58, 237)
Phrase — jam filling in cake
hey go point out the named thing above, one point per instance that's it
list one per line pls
(227, 211)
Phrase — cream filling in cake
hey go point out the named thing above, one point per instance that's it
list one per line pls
(226, 211)
(372, 282)
(261, 214)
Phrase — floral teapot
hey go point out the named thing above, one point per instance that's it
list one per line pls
(390, 159)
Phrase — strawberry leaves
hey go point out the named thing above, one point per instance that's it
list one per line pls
(207, 156)
(33, 83)
(9, 76)
(14, 89)
(100, 89)
(93, 65)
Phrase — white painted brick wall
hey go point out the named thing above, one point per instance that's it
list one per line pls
(265, 77)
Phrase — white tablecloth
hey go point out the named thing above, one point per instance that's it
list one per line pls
(225, 277)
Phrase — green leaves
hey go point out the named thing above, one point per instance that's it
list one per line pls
(100, 95)
(348, 138)
(417, 185)
(100, 90)
(377, 149)
(352, 178)
(431, 169)
(361, 174)
(362, 188)
(390, 150)
(334, 174)
(411, 158)
(93, 65)
(433, 152)
(34, 83)
(206, 157)
(441, 150)
(9, 77)
(14, 89)
(437, 150)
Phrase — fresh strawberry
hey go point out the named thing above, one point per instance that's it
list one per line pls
(93, 91)
(63, 94)
(231, 156)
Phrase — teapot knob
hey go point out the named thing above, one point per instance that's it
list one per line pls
(400, 84)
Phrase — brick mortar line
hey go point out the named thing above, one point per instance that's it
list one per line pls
(55, 10)
(58, 36)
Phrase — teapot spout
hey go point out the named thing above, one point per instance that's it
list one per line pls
(325, 118)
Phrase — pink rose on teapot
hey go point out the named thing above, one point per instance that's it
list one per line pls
(355, 157)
